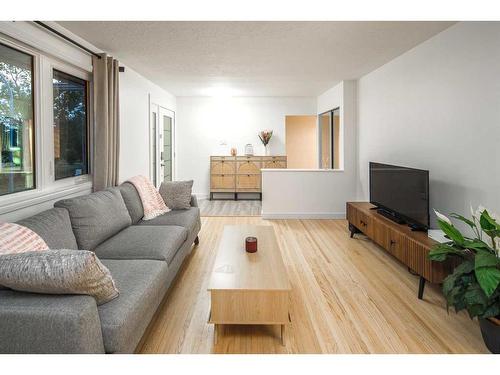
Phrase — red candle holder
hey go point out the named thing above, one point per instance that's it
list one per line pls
(251, 244)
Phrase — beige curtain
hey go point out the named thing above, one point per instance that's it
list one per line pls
(107, 122)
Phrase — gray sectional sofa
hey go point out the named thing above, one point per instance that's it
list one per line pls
(142, 256)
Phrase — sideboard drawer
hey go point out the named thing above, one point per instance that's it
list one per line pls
(364, 223)
(229, 158)
(248, 182)
(248, 167)
(222, 167)
(270, 164)
(280, 158)
(249, 157)
(222, 182)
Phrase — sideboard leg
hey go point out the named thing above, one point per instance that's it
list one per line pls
(421, 287)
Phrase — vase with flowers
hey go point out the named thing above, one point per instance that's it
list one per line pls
(265, 136)
(474, 285)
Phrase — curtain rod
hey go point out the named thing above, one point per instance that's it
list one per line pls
(52, 30)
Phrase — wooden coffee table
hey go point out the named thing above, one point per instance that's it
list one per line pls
(249, 288)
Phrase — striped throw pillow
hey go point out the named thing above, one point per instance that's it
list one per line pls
(15, 238)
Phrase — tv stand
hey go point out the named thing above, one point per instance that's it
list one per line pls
(408, 246)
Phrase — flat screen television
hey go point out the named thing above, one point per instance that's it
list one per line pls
(401, 194)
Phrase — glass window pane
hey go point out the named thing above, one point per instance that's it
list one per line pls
(17, 137)
(70, 126)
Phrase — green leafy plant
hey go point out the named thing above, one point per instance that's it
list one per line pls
(474, 283)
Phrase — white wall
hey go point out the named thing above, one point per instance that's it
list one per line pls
(134, 121)
(437, 107)
(204, 123)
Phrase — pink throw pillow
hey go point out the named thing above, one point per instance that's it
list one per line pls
(15, 238)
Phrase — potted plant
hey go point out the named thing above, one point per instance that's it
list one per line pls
(265, 136)
(474, 283)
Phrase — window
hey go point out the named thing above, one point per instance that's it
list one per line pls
(70, 125)
(17, 136)
(329, 123)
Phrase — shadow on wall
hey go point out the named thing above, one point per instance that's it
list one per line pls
(443, 197)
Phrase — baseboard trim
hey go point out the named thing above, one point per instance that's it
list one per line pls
(201, 196)
(303, 215)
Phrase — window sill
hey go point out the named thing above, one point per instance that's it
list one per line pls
(34, 197)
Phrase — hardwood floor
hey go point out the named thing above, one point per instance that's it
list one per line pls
(349, 296)
(230, 208)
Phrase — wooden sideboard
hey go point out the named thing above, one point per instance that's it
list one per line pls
(409, 247)
(240, 174)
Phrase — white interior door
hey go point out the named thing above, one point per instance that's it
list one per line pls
(166, 142)
(153, 142)
(162, 135)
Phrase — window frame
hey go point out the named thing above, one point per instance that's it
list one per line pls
(46, 187)
(37, 175)
(77, 73)
(35, 120)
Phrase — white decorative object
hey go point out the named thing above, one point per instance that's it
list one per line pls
(267, 152)
(249, 149)
(437, 235)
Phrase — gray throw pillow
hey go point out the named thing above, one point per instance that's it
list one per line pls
(58, 272)
(177, 194)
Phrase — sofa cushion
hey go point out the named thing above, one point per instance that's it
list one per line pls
(132, 201)
(144, 242)
(184, 218)
(54, 227)
(96, 217)
(142, 284)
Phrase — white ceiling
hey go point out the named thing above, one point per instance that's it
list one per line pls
(253, 58)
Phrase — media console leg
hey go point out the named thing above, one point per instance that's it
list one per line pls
(421, 287)
(353, 230)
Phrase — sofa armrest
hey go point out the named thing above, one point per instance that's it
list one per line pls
(46, 323)
(194, 201)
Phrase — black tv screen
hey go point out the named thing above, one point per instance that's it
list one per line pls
(402, 191)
